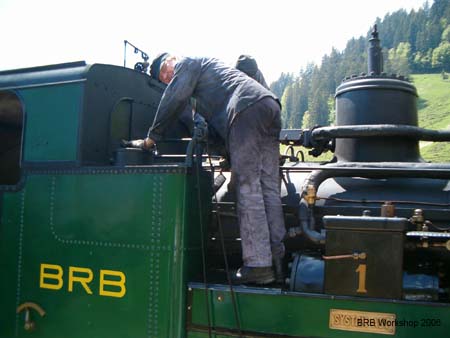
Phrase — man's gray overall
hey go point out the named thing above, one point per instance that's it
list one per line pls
(254, 151)
(247, 118)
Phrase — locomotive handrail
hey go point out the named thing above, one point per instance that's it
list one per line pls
(321, 139)
(381, 130)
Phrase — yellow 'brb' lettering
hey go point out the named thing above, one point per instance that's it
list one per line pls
(83, 280)
(111, 283)
(45, 275)
(116, 283)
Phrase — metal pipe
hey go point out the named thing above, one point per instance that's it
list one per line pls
(366, 170)
(381, 130)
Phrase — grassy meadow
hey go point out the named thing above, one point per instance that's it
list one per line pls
(434, 113)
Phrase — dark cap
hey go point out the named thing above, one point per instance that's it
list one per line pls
(155, 67)
(247, 64)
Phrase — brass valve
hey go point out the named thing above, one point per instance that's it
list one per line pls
(388, 209)
(418, 219)
(310, 196)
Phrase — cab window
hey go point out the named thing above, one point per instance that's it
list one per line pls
(11, 126)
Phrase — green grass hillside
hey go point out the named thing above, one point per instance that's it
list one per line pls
(434, 113)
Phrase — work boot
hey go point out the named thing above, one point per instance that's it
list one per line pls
(278, 266)
(254, 275)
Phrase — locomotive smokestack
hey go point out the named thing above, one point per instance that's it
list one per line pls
(375, 64)
(376, 99)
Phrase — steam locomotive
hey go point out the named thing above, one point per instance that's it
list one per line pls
(102, 241)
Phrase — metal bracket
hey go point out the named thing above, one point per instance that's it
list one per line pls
(355, 256)
(29, 324)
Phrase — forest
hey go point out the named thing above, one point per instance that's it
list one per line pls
(417, 42)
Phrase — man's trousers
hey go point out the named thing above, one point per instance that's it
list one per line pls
(254, 152)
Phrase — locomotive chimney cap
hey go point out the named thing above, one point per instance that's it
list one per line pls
(375, 32)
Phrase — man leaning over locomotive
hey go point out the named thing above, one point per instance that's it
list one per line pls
(247, 117)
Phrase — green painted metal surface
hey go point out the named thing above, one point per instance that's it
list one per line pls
(52, 121)
(272, 312)
(105, 255)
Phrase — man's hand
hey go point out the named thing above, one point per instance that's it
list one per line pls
(145, 144)
(148, 143)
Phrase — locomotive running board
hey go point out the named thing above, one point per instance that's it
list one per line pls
(235, 333)
(273, 312)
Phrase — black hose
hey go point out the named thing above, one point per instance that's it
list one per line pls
(307, 224)
(197, 167)
(224, 252)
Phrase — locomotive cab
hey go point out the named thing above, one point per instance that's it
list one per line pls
(91, 234)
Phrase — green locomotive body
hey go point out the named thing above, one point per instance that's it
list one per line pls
(99, 241)
(91, 244)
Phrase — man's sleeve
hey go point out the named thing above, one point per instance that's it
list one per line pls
(175, 97)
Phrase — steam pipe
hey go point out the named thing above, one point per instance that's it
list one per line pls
(377, 170)
(366, 170)
(381, 130)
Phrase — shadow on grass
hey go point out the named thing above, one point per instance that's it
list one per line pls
(422, 103)
(437, 152)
